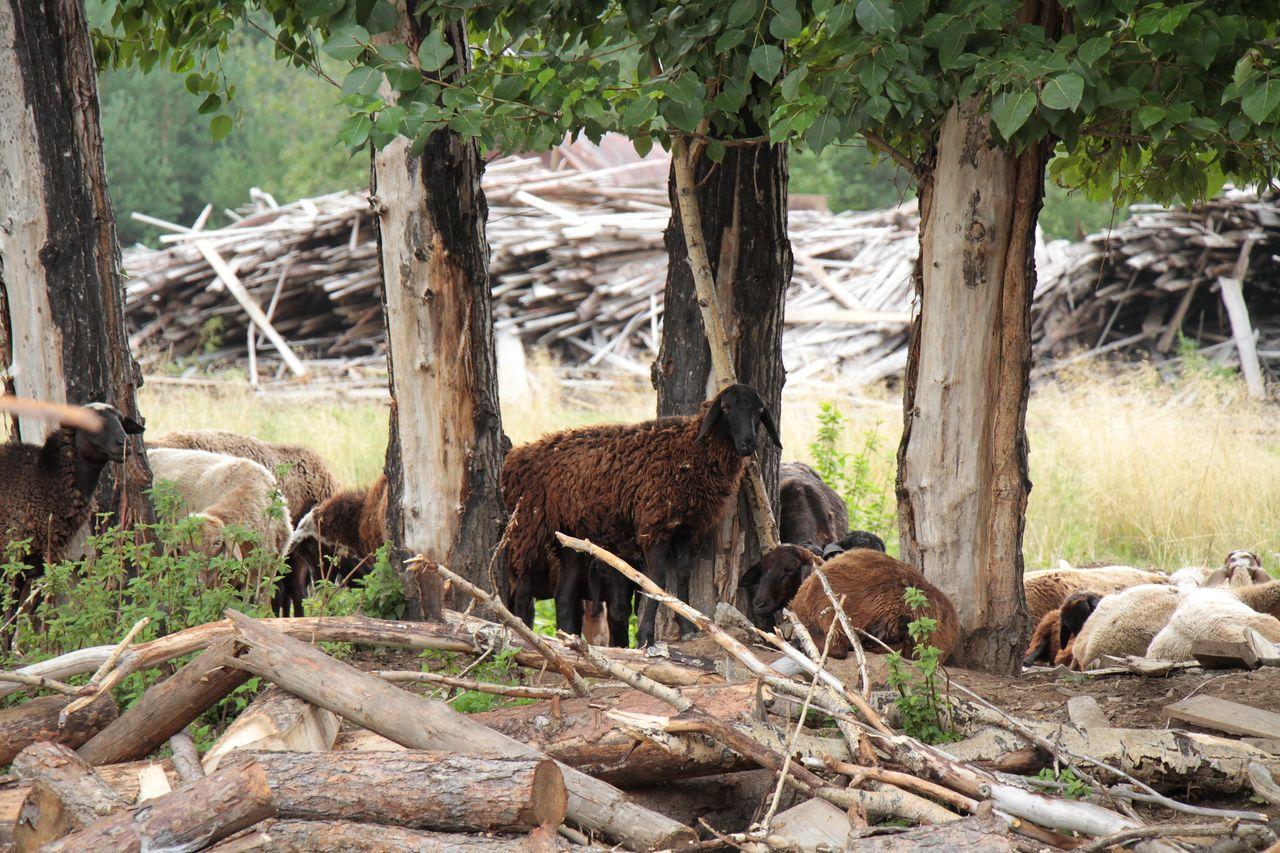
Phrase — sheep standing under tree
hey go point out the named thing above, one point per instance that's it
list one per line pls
(649, 487)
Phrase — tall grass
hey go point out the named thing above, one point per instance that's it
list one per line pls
(1124, 467)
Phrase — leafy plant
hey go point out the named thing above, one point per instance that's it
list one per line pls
(924, 713)
(378, 593)
(867, 497)
(499, 669)
(1072, 786)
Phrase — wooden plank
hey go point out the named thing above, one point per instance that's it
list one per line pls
(1221, 714)
(1086, 713)
(1232, 288)
(1271, 745)
(1219, 654)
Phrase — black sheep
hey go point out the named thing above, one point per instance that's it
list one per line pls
(809, 510)
(648, 488)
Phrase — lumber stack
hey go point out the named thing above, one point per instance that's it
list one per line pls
(577, 266)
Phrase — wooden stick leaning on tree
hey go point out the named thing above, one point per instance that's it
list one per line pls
(516, 624)
(421, 723)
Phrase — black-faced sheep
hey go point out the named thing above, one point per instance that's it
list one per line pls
(46, 491)
(306, 481)
(772, 582)
(852, 540)
(1046, 590)
(352, 522)
(651, 486)
(1057, 629)
(872, 584)
(809, 510)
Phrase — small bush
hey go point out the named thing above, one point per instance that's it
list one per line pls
(869, 499)
(925, 714)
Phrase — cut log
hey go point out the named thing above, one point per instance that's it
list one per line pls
(584, 737)
(166, 708)
(808, 825)
(1226, 716)
(188, 819)
(65, 795)
(426, 724)
(152, 783)
(186, 758)
(36, 720)
(1086, 713)
(339, 836)
(973, 833)
(278, 722)
(442, 791)
(1266, 744)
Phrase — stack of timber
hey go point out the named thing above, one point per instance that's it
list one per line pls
(577, 266)
(1204, 274)
(409, 773)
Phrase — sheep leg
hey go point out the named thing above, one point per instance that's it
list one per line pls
(521, 603)
(682, 574)
(620, 592)
(570, 591)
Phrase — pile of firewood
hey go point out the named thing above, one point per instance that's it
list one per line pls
(333, 758)
(577, 266)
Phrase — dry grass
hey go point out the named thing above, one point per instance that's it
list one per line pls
(1124, 468)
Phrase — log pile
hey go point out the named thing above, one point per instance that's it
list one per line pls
(1206, 272)
(410, 773)
(577, 266)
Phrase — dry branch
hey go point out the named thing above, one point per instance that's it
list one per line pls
(42, 719)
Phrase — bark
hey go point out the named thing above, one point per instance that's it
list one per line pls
(421, 723)
(962, 464)
(338, 836)
(460, 634)
(581, 736)
(186, 758)
(445, 503)
(743, 200)
(190, 818)
(23, 725)
(60, 281)
(66, 795)
(166, 708)
(981, 832)
(442, 791)
(276, 721)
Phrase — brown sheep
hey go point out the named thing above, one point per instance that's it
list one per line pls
(1046, 590)
(353, 522)
(1057, 629)
(873, 585)
(810, 511)
(650, 486)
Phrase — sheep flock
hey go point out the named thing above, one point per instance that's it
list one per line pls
(646, 491)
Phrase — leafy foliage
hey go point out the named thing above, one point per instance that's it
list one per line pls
(867, 497)
(924, 713)
(1072, 786)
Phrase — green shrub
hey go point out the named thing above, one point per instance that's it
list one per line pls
(924, 713)
(869, 499)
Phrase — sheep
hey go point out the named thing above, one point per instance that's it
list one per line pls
(1046, 590)
(1209, 614)
(1241, 568)
(873, 585)
(1125, 622)
(353, 521)
(851, 540)
(306, 481)
(775, 580)
(46, 493)
(1262, 597)
(652, 486)
(1056, 631)
(809, 510)
(224, 490)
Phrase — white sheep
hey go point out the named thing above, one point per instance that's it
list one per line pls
(1125, 622)
(1046, 590)
(225, 490)
(1241, 568)
(1209, 614)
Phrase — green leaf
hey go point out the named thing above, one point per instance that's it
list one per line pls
(741, 12)
(319, 8)
(875, 16)
(1093, 50)
(729, 39)
(715, 150)
(839, 18)
(1010, 111)
(1120, 98)
(220, 127)
(639, 113)
(434, 52)
(347, 42)
(824, 130)
(355, 130)
(791, 83)
(786, 22)
(1063, 92)
(382, 17)
(210, 104)
(1259, 104)
(1149, 115)
(362, 80)
(766, 61)
(194, 83)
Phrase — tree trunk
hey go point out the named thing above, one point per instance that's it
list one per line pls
(23, 725)
(442, 791)
(66, 795)
(61, 300)
(445, 423)
(190, 818)
(744, 222)
(962, 464)
(340, 836)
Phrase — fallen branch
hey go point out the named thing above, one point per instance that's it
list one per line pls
(41, 720)
(1204, 830)
(516, 691)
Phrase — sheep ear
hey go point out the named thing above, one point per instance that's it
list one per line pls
(131, 427)
(1218, 577)
(770, 426)
(709, 421)
(750, 577)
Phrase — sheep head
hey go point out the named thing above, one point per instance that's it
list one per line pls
(852, 540)
(781, 571)
(1076, 608)
(738, 411)
(108, 442)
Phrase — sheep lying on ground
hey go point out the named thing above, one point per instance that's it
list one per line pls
(1125, 623)
(223, 491)
(46, 491)
(1046, 590)
(873, 584)
(851, 540)
(809, 511)
(1054, 636)
(1209, 614)
(650, 486)
(1241, 568)
(775, 580)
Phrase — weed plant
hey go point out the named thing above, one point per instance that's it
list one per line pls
(924, 713)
